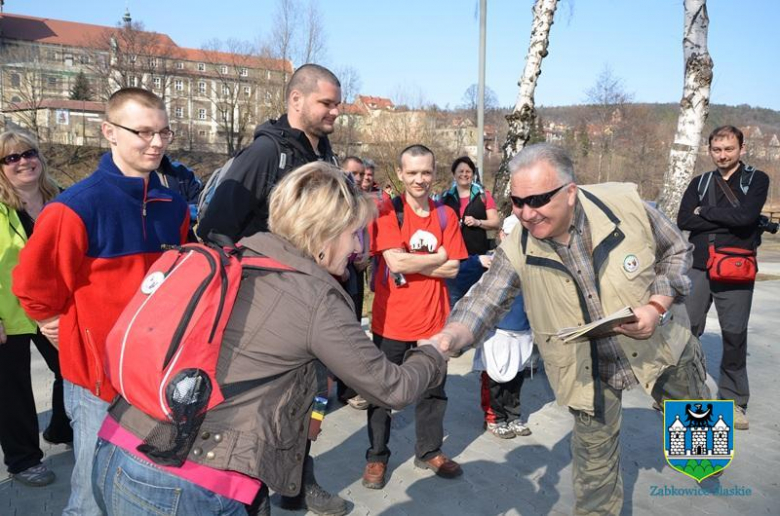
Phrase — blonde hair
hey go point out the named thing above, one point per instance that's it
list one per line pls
(12, 142)
(314, 204)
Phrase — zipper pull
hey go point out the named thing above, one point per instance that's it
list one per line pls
(97, 388)
(144, 209)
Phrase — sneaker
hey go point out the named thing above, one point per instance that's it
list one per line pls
(35, 476)
(519, 428)
(740, 418)
(374, 475)
(500, 430)
(358, 402)
(441, 465)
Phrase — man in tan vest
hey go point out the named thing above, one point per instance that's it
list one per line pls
(583, 253)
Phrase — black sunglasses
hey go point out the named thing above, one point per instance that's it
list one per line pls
(13, 158)
(538, 200)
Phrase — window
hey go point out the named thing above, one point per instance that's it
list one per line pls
(157, 82)
(15, 98)
(201, 67)
(224, 69)
(68, 58)
(179, 111)
(247, 91)
(152, 62)
(201, 133)
(51, 80)
(132, 58)
(202, 87)
(84, 59)
(134, 81)
(268, 97)
(16, 81)
(225, 90)
(179, 85)
(201, 114)
(179, 65)
(244, 72)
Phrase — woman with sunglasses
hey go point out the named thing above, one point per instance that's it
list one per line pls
(477, 213)
(24, 188)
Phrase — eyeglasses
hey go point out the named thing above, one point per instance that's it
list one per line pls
(15, 158)
(166, 134)
(538, 200)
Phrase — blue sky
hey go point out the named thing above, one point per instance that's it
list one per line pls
(428, 48)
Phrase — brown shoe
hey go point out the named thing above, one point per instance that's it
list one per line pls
(374, 475)
(440, 465)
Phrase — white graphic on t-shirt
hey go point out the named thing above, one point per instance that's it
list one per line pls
(423, 241)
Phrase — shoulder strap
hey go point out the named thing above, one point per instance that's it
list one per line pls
(746, 178)
(285, 154)
(727, 192)
(440, 207)
(398, 206)
(704, 183)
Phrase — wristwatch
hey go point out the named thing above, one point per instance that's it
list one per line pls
(663, 313)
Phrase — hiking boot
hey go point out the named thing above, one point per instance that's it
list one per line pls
(519, 428)
(441, 465)
(35, 476)
(313, 497)
(358, 402)
(740, 418)
(374, 475)
(500, 430)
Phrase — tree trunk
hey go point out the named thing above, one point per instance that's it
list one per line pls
(694, 108)
(522, 118)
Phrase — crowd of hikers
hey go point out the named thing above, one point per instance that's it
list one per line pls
(197, 333)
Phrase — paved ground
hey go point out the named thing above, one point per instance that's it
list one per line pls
(530, 475)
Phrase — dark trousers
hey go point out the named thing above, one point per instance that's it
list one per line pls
(18, 415)
(733, 304)
(343, 391)
(428, 415)
(501, 401)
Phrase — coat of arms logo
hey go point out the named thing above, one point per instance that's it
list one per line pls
(699, 436)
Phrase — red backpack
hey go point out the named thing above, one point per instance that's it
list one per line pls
(162, 353)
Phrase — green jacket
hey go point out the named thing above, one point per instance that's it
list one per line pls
(12, 239)
(620, 231)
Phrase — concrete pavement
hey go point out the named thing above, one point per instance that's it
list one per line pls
(527, 475)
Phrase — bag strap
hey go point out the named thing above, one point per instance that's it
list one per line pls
(704, 183)
(727, 191)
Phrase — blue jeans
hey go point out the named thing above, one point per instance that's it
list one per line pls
(126, 485)
(86, 412)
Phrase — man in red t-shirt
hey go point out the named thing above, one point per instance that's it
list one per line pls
(411, 303)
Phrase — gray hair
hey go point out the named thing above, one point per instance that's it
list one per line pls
(552, 154)
(369, 163)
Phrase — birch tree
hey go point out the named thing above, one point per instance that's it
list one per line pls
(521, 120)
(694, 107)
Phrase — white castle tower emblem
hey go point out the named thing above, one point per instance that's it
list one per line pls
(706, 441)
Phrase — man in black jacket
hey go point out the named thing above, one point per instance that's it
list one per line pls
(732, 225)
(239, 207)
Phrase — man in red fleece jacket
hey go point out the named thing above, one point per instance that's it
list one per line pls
(90, 251)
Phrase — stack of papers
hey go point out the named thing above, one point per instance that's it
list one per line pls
(599, 328)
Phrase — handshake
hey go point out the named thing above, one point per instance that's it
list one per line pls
(450, 341)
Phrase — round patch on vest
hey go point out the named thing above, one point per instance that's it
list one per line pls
(631, 263)
(152, 282)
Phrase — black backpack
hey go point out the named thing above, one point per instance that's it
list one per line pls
(745, 178)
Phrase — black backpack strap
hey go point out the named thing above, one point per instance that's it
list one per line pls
(398, 206)
(231, 390)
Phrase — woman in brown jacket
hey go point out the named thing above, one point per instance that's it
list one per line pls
(283, 323)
